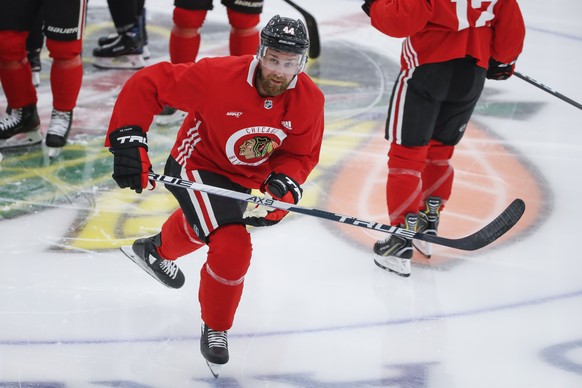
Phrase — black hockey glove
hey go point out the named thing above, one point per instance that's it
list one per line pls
(500, 71)
(131, 163)
(282, 188)
(366, 6)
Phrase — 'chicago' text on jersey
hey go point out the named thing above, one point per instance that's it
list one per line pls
(253, 145)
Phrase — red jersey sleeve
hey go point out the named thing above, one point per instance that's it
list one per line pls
(398, 18)
(508, 32)
(150, 89)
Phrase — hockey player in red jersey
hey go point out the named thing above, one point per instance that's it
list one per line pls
(450, 47)
(254, 122)
(185, 38)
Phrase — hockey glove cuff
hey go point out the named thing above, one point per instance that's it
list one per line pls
(131, 163)
(499, 71)
(281, 187)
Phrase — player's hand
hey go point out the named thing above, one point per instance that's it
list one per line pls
(282, 188)
(500, 71)
(366, 6)
(131, 163)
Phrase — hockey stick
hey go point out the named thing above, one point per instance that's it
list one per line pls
(547, 89)
(312, 30)
(485, 236)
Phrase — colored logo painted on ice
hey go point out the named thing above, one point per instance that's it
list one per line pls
(352, 168)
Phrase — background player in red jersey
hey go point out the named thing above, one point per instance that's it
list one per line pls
(450, 47)
(254, 122)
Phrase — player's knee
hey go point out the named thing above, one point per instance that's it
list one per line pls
(242, 23)
(229, 251)
(409, 158)
(188, 22)
(440, 151)
(12, 47)
(66, 52)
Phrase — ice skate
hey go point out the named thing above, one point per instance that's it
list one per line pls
(170, 116)
(145, 254)
(124, 52)
(58, 132)
(428, 222)
(20, 128)
(105, 40)
(395, 252)
(214, 348)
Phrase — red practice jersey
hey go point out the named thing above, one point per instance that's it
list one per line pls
(230, 129)
(441, 30)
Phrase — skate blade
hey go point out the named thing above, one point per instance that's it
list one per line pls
(51, 152)
(398, 269)
(423, 247)
(215, 369)
(21, 140)
(131, 62)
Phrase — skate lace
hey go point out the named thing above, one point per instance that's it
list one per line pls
(216, 339)
(169, 267)
(60, 122)
(11, 119)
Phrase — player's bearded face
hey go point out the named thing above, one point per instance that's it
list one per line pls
(277, 70)
(272, 84)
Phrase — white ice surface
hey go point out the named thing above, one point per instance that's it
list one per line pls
(316, 311)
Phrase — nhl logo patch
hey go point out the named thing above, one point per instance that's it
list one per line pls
(268, 104)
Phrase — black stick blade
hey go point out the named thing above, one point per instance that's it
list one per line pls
(485, 236)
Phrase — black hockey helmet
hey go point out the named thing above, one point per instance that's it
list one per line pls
(285, 34)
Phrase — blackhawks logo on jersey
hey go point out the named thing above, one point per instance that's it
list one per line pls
(253, 146)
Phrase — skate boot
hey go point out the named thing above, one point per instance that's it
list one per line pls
(124, 52)
(395, 252)
(428, 222)
(20, 127)
(147, 257)
(59, 128)
(105, 40)
(35, 66)
(214, 348)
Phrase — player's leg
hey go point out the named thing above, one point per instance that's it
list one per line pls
(243, 18)
(414, 107)
(216, 221)
(221, 286)
(21, 118)
(466, 82)
(64, 25)
(188, 17)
